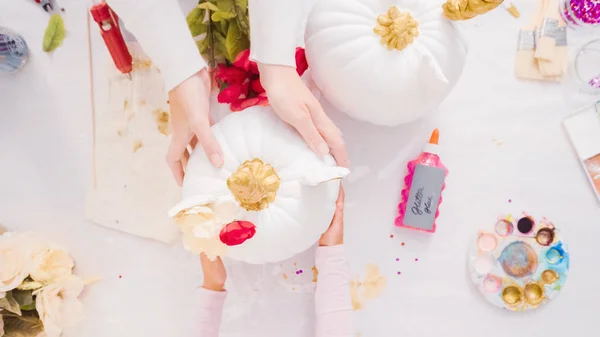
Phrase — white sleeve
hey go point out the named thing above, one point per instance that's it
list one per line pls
(274, 26)
(161, 29)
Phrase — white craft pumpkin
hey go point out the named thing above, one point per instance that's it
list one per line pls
(353, 67)
(291, 202)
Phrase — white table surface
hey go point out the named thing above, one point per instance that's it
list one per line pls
(148, 287)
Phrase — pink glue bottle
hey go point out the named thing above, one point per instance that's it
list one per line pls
(422, 193)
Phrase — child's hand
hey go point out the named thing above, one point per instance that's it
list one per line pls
(295, 104)
(214, 273)
(191, 121)
(335, 233)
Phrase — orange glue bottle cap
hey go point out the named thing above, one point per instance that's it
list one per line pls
(432, 146)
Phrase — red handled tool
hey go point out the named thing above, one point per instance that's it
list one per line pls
(108, 22)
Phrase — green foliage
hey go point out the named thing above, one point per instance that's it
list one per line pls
(54, 34)
(9, 304)
(221, 29)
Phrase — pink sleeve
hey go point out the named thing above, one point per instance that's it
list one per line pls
(211, 309)
(332, 296)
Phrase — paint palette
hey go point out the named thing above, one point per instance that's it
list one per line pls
(519, 263)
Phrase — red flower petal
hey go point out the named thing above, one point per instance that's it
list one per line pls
(250, 102)
(230, 74)
(253, 67)
(257, 87)
(237, 232)
(301, 62)
(231, 93)
(263, 100)
(242, 60)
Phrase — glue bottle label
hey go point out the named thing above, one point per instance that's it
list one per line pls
(424, 197)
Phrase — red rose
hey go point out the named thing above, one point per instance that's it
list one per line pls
(301, 62)
(240, 82)
(237, 232)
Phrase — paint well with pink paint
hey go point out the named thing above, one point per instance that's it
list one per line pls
(422, 193)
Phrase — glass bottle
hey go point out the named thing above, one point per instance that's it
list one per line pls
(13, 51)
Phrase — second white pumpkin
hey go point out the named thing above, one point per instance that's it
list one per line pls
(353, 67)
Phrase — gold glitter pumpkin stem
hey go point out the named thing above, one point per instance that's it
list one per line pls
(397, 29)
(458, 10)
(254, 184)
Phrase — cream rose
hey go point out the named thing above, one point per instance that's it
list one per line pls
(201, 225)
(14, 262)
(50, 263)
(58, 305)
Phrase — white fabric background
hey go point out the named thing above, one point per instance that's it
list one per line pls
(44, 171)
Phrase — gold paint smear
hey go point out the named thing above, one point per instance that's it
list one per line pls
(162, 118)
(139, 64)
(254, 185)
(467, 9)
(137, 144)
(397, 29)
(371, 287)
(315, 274)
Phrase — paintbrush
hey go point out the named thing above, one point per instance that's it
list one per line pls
(525, 63)
(547, 32)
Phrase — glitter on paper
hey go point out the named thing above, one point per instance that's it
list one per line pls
(509, 200)
(285, 276)
(417, 259)
(391, 236)
(399, 273)
(397, 259)
(402, 244)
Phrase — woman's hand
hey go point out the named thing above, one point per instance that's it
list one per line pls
(214, 273)
(335, 233)
(297, 106)
(191, 121)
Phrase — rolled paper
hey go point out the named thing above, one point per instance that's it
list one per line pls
(467, 9)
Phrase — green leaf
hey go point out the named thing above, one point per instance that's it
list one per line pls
(195, 15)
(223, 26)
(10, 304)
(202, 46)
(220, 16)
(209, 6)
(234, 42)
(198, 29)
(225, 5)
(24, 298)
(242, 4)
(55, 33)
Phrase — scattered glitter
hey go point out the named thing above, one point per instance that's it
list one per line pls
(391, 236)
(300, 271)
(399, 272)
(509, 200)
(402, 243)
(595, 82)
(397, 259)
(120, 276)
(417, 259)
(285, 276)
(294, 264)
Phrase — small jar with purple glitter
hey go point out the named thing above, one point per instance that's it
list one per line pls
(581, 13)
(586, 66)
